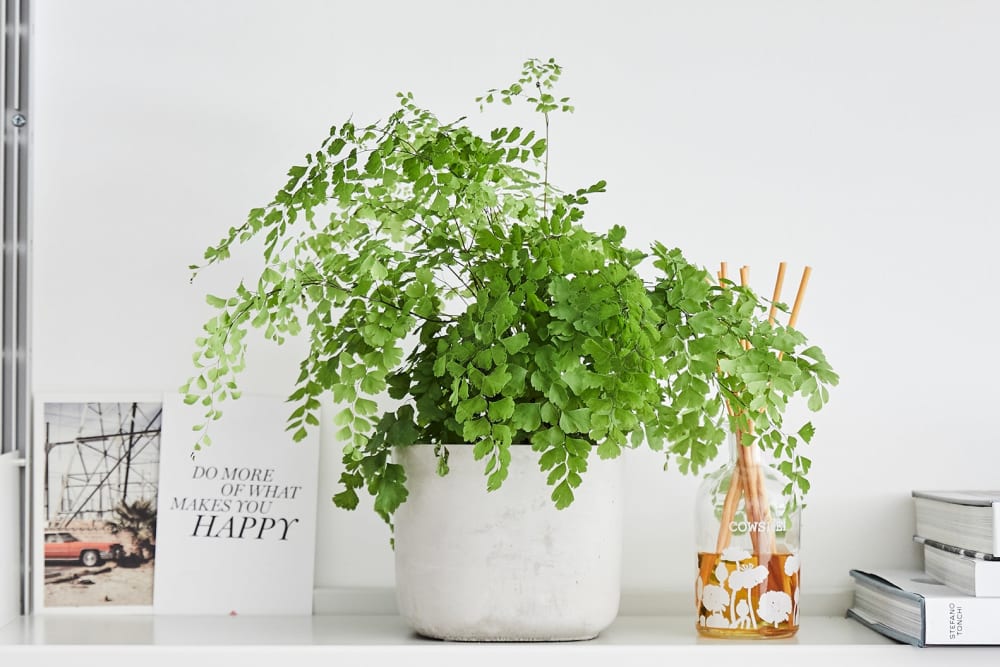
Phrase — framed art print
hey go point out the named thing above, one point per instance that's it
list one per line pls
(95, 486)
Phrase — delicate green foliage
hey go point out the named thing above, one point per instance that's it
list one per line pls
(440, 266)
(704, 325)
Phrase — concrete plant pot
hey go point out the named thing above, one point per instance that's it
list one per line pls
(506, 565)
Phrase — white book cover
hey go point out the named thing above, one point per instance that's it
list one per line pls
(236, 530)
(910, 607)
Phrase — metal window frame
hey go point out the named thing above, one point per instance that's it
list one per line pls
(15, 383)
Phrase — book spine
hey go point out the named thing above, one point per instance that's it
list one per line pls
(961, 620)
(996, 528)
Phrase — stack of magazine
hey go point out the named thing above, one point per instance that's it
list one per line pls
(956, 599)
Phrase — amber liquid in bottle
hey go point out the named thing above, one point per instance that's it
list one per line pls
(739, 598)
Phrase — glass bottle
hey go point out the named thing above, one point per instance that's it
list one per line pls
(747, 535)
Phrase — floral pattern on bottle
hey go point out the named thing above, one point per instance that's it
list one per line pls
(740, 594)
(747, 535)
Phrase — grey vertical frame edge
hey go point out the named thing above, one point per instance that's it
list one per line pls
(15, 389)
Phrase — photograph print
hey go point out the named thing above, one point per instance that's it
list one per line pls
(97, 470)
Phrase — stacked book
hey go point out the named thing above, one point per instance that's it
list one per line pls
(956, 599)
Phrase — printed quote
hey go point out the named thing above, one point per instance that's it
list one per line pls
(243, 505)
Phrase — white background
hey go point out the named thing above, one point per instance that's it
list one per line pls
(858, 137)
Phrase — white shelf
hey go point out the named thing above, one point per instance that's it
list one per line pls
(372, 641)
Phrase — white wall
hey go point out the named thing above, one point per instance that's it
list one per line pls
(858, 137)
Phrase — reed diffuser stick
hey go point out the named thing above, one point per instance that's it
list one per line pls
(735, 491)
(794, 317)
(733, 496)
(745, 282)
(751, 486)
(748, 480)
(778, 283)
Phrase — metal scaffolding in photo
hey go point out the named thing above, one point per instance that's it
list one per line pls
(98, 455)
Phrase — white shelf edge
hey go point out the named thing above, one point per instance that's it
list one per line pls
(385, 641)
(43, 640)
(377, 601)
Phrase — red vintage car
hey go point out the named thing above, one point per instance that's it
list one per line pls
(63, 546)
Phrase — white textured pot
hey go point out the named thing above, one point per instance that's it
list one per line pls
(506, 565)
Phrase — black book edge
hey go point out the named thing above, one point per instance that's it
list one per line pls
(888, 588)
(978, 555)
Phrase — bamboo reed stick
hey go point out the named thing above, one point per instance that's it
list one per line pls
(794, 317)
(729, 510)
(748, 480)
(799, 296)
(751, 488)
(768, 516)
(745, 282)
(778, 283)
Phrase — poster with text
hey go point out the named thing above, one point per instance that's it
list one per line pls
(237, 520)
